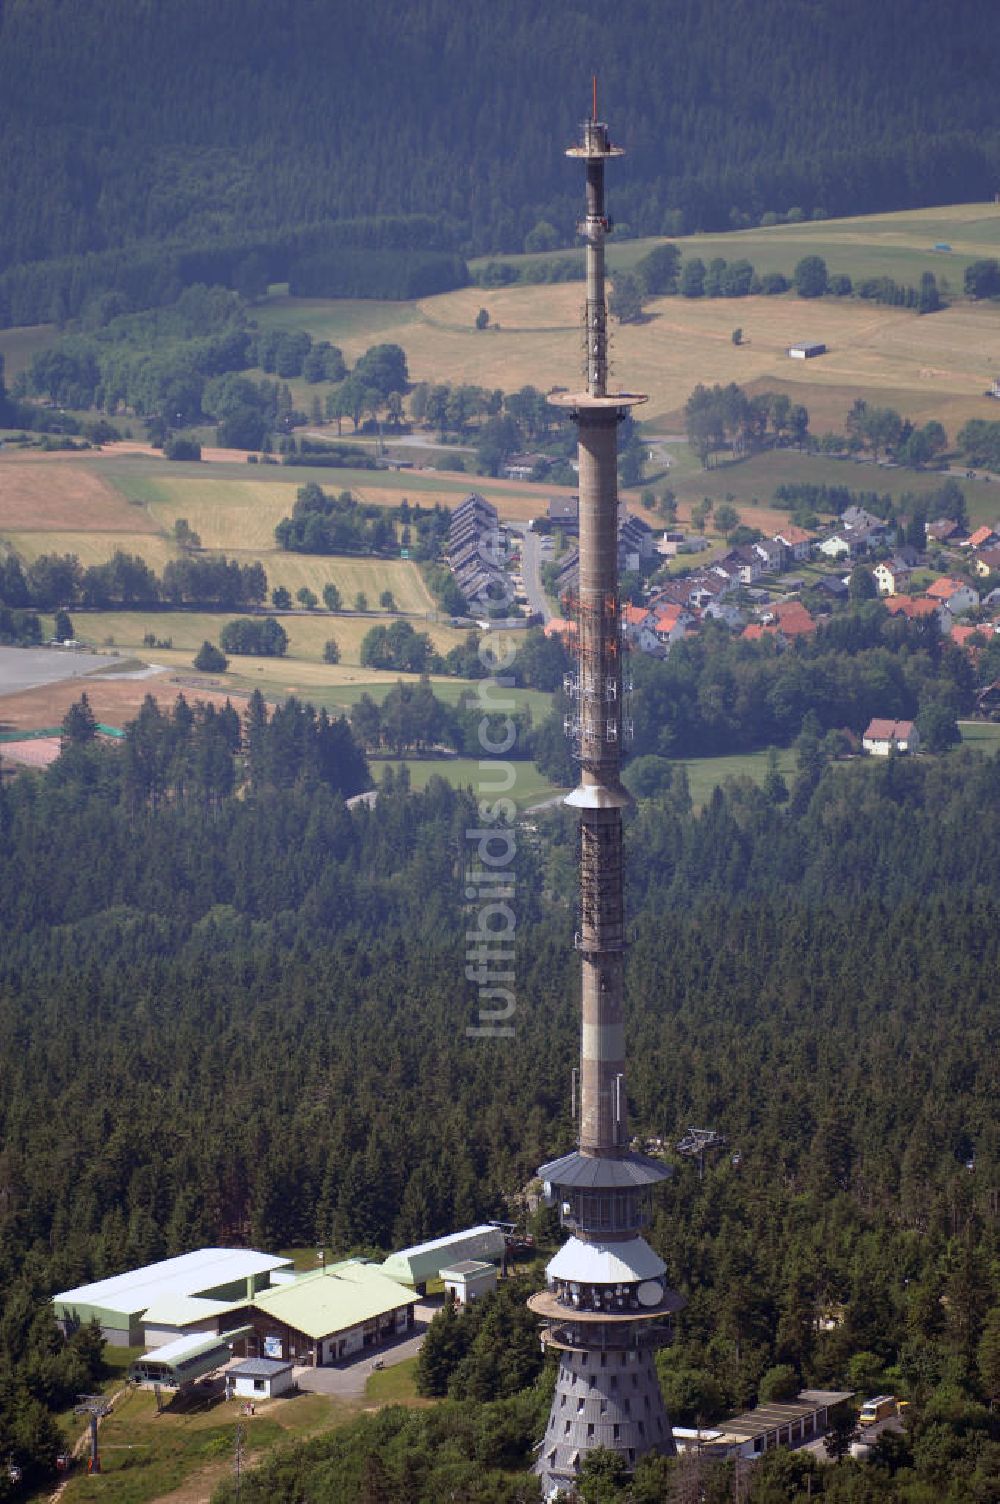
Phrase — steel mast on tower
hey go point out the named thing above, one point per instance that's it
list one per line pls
(607, 1307)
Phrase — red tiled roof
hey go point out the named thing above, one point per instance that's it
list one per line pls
(906, 605)
(887, 731)
(960, 634)
(793, 618)
(980, 536)
(791, 535)
(944, 588)
(635, 615)
(560, 627)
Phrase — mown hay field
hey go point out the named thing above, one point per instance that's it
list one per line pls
(936, 366)
(187, 630)
(93, 547)
(231, 508)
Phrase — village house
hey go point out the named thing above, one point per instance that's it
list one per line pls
(772, 552)
(842, 545)
(858, 520)
(637, 623)
(943, 530)
(883, 737)
(723, 610)
(983, 537)
(793, 618)
(988, 700)
(954, 594)
(832, 585)
(635, 543)
(523, 466)
(751, 564)
(708, 587)
(798, 542)
(563, 512)
(892, 576)
(919, 608)
(987, 562)
(670, 623)
(558, 626)
(964, 635)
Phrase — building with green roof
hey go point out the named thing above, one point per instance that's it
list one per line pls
(325, 1315)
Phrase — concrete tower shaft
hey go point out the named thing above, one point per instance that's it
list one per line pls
(606, 1307)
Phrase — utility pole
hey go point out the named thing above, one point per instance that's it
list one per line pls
(238, 1457)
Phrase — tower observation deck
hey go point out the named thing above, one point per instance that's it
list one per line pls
(606, 1306)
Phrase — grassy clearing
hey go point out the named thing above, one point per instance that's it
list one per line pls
(983, 735)
(396, 1385)
(146, 1456)
(449, 690)
(530, 786)
(706, 773)
(18, 347)
(352, 323)
(351, 576)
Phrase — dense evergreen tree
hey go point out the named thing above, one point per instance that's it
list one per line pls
(726, 116)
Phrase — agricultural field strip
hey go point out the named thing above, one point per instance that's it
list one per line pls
(188, 629)
(683, 341)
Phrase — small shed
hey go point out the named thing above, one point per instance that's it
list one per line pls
(259, 1379)
(806, 349)
(467, 1280)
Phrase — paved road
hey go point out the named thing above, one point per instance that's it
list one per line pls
(348, 1380)
(390, 441)
(531, 573)
(27, 668)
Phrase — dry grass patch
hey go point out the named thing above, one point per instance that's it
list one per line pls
(114, 702)
(63, 497)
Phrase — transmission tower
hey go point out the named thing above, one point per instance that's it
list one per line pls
(93, 1406)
